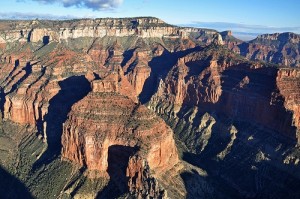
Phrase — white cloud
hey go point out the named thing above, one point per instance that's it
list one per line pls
(29, 16)
(90, 4)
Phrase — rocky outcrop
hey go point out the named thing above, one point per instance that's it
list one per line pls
(288, 81)
(137, 69)
(144, 27)
(20, 88)
(105, 119)
(140, 183)
(279, 48)
(231, 42)
(107, 85)
(225, 85)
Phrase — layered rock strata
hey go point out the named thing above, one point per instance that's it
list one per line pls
(105, 119)
(288, 81)
(280, 48)
(214, 80)
(47, 31)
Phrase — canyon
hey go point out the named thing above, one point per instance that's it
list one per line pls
(138, 108)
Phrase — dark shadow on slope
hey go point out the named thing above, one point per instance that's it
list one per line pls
(198, 186)
(118, 157)
(262, 86)
(196, 67)
(17, 64)
(240, 174)
(244, 48)
(2, 102)
(195, 184)
(160, 66)
(29, 35)
(28, 70)
(72, 90)
(46, 40)
(77, 182)
(127, 56)
(11, 187)
(42, 73)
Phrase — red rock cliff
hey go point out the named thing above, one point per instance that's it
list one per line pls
(104, 119)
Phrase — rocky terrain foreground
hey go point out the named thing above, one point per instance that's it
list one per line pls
(137, 108)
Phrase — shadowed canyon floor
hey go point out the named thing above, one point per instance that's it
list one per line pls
(137, 108)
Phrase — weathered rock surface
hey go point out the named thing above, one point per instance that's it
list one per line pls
(107, 124)
(215, 80)
(105, 118)
(145, 27)
(210, 97)
(289, 87)
(140, 183)
(280, 48)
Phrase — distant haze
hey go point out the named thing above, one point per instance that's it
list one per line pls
(242, 31)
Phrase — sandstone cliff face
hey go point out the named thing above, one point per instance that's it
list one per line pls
(58, 31)
(21, 100)
(278, 48)
(288, 84)
(104, 119)
(137, 69)
(224, 108)
(140, 183)
(229, 86)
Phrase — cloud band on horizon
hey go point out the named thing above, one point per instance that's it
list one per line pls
(95, 5)
(239, 27)
(31, 16)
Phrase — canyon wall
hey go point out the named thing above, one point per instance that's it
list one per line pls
(288, 83)
(47, 31)
(105, 119)
(213, 80)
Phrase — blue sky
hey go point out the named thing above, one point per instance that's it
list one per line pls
(244, 17)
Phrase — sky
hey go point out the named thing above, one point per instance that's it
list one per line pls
(246, 18)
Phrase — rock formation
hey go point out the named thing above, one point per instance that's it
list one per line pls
(106, 118)
(214, 79)
(280, 48)
(145, 27)
(140, 183)
(288, 84)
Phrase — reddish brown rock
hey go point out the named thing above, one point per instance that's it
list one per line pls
(231, 86)
(139, 76)
(288, 81)
(107, 85)
(104, 119)
(279, 48)
(141, 184)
